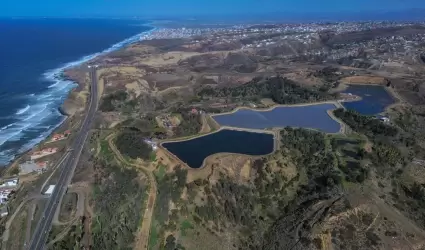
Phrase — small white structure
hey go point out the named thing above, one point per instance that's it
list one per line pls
(10, 183)
(384, 119)
(50, 189)
(4, 211)
(151, 143)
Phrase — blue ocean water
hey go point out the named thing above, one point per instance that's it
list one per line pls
(33, 54)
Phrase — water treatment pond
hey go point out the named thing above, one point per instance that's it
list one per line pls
(193, 152)
(310, 116)
(375, 99)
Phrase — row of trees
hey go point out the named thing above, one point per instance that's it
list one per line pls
(367, 125)
(109, 103)
(281, 90)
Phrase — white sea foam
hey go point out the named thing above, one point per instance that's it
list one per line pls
(43, 106)
(21, 111)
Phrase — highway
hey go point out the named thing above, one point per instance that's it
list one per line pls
(67, 169)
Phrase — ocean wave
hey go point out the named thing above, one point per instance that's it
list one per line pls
(14, 131)
(21, 111)
(6, 156)
(43, 106)
(36, 112)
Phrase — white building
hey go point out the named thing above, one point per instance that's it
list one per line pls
(50, 189)
(4, 195)
(4, 211)
(10, 183)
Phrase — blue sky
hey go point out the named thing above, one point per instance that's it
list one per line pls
(151, 8)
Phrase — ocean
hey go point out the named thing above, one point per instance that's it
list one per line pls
(33, 53)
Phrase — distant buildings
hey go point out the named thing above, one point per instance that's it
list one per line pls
(5, 194)
(59, 137)
(10, 183)
(6, 188)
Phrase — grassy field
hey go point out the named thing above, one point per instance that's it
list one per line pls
(185, 226)
(153, 237)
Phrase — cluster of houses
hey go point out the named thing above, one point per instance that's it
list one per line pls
(59, 137)
(7, 187)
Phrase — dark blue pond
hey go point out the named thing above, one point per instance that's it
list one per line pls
(193, 152)
(312, 116)
(375, 99)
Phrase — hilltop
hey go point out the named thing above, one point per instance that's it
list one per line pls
(359, 188)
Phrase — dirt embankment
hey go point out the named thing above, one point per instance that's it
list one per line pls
(77, 98)
(376, 80)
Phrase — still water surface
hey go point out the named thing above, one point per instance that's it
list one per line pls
(375, 99)
(310, 117)
(193, 152)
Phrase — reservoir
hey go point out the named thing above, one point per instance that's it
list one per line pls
(309, 116)
(194, 151)
(375, 99)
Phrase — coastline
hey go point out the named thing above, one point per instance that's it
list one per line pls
(60, 76)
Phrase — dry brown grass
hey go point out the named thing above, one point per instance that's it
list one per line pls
(364, 80)
(168, 58)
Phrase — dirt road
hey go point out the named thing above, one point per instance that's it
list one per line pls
(142, 238)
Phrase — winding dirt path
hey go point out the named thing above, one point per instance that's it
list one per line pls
(142, 237)
(9, 222)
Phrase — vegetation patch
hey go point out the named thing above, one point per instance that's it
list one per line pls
(132, 144)
(367, 125)
(69, 239)
(171, 186)
(68, 207)
(112, 101)
(280, 90)
(160, 173)
(185, 226)
(119, 198)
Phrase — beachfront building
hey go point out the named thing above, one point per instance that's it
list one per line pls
(59, 137)
(4, 195)
(10, 183)
(42, 153)
(32, 167)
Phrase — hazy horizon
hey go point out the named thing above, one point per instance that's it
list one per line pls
(275, 9)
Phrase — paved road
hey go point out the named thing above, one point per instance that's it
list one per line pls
(66, 172)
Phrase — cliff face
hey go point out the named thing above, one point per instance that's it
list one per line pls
(78, 97)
